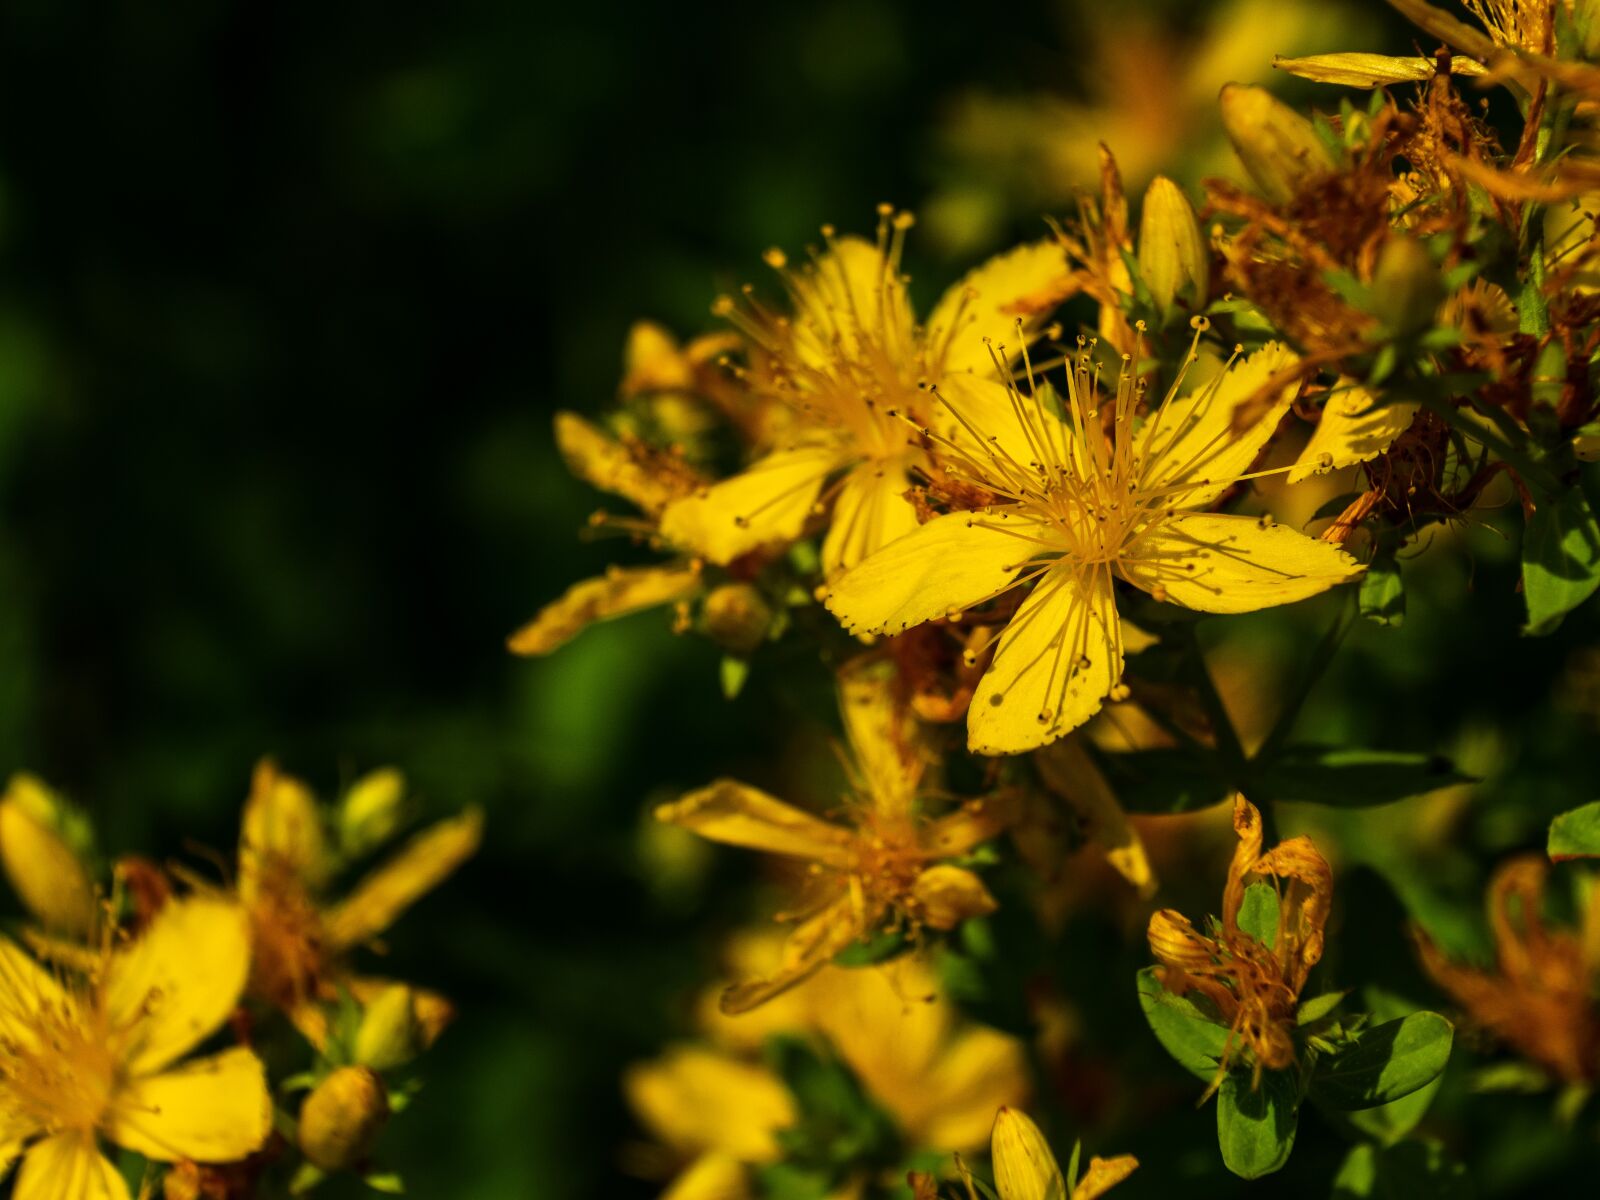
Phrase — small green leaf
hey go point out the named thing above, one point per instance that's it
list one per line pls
(1318, 1007)
(1258, 914)
(1409, 1171)
(1256, 1129)
(1384, 1063)
(1354, 778)
(1194, 1038)
(734, 672)
(1383, 594)
(1560, 559)
(1165, 780)
(1576, 834)
(881, 948)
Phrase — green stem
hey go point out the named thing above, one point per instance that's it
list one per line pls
(1320, 660)
(1228, 743)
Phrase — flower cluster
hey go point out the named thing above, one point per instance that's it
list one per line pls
(1010, 512)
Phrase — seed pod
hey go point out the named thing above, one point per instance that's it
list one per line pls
(1278, 147)
(342, 1117)
(737, 617)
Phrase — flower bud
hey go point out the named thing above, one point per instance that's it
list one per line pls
(949, 895)
(737, 617)
(342, 1117)
(1173, 259)
(389, 1035)
(37, 850)
(1406, 288)
(183, 1181)
(1024, 1167)
(1278, 147)
(371, 810)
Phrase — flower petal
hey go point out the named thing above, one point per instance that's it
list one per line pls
(177, 983)
(1003, 433)
(617, 593)
(979, 1071)
(947, 895)
(1103, 1174)
(710, 1177)
(852, 290)
(1058, 660)
(1354, 428)
(808, 948)
(770, 501)
(883, 735)
(738, 815)
(695, 1100)
(26, 988)
(870, 512)
(1024, 1167)
(68, 1166)
(214, 1109)
(425, 862)
(1371, 70)
(1027, 283)
(1067, 770)
(602, 461)
(282, 826)
(949, 564)
(1217, 563)
(1193, 440)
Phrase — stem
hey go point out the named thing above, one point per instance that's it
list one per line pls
(1228, 743)
(1320, 660)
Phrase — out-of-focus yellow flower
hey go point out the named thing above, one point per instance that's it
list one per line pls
(1540, 998)
(1253, 986)
(1025, 1168)
(1077, 503)
(885, 865)
(302, 938)
(849, 359)
(96, 1054)
(45, 870)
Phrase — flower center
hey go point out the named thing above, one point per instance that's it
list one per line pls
(58, 1056)
(287, 937)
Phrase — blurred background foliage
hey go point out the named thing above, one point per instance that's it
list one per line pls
(288, 296)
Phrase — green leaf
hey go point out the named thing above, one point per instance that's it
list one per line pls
(734, 672)
(1255, 1129)
(1560, 560)
(1193, 1037)
(1383, 594)
(1318, 1007)
(877, 949)
(1576, 834)
(1353, 778)
(1409, 1171)
(1258, 914)
(1165, 780)
(1384, 1063)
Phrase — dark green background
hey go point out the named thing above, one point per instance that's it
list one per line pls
(288, 295)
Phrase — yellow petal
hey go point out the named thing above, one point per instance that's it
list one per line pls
(282, 826)
(949, 895)
(1193, 440)
(49, 877)
(769, 502)
(852, 289)
(1104, 1174)
(808, 948)
(1371, 70)
(1440, 24)
(978, 1072)
(1067, 770)
(425, 862)
(941, 568)
(68, 1166)
(870, 512)
(695, 1100)
(710, 1177)
(1002, 431)
(1174, 260)
(1353, 429)
(617, 593)
(1024, 1168)
(1058, 659)
(884, 737)
(969, 826)
(25, 989)
(177, 983)
(1279, 148)
(1026, 283)
(597, 458)
(214, 1109)
(739, 815)
(1226, 564)
(653, 362)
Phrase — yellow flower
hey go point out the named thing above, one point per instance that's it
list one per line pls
(884, 865)
(1074, 510)
(1540, 997)
(1354, 427)
(848, 359)
(97, 1055)
(1253, 987)
(46, 872)
(651, 481)
(301, 937)
(1025, 1168)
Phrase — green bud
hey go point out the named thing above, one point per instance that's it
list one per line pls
(737, 617)
(342, 1117)
(1406, 288)
(1173, 259)
(389, 1035)
(1279, 148)
(371, 810)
